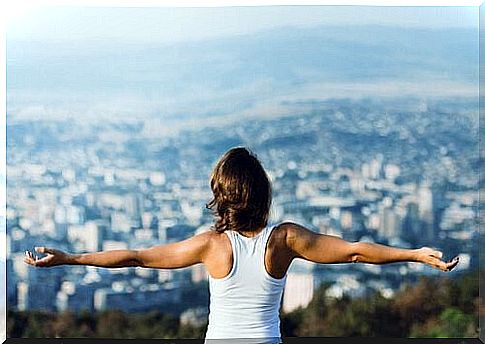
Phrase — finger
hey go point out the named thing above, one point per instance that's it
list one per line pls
(448, 266)
(453, 263)
(29, 261)
(438, 264)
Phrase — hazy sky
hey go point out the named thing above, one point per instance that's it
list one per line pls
(55, 69)
(182, 24)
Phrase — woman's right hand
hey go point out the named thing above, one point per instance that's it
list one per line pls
(433, 257)
(54, 257)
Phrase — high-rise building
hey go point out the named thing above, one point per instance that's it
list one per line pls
(298, 291)
(375, 168)
(425, 204)
(87, 237)
(39, 292)
(22, 293)
(75, 297)
(133, 204)
(12, 281)
(389, 223)
(120, 222)
(346, 219)
(411, 226)
(299, 286)
(92, 236)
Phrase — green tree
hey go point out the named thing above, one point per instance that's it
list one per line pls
(451, 323)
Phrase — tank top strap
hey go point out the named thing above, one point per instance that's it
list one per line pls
(267, 233)
(264, 243)
(231, 235)
(235, 247)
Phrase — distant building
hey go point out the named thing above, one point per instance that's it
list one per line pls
(74, 215)
(164, 275)
(120, 222)
(199, 273)
(346, 220)
(298, 291)
(22, 293)
(194, 317)
(425, 202)
(300, 285)
(389, 224)
(88, 236)
(346, 284)
(375, 167)
(75, 297)
(12, 281)
(114, 245)
(146, 298)
(411, 224)
(40, 290)
(19, 268)
(179, 232)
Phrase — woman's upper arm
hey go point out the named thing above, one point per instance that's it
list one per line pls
(318, 248)
(175, 255)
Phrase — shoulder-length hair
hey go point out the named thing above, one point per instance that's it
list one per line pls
(241, 192)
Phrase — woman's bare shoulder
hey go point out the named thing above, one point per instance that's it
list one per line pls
(284, 234)
(217, 241)
(289, 231)
(218, 259)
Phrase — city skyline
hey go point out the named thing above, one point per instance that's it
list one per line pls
(148, 191)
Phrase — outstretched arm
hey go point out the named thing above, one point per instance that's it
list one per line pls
(321, 248)
(170, 256)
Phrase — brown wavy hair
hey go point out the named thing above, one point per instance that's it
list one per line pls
(241, 192)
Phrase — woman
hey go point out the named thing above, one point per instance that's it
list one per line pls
(246, 259)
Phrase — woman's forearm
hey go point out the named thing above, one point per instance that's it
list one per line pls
(382, 254)
(106, 259)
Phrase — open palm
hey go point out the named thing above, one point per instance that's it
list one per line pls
(53, 258)
(433, 257)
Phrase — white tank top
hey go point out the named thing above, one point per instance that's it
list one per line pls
(245, 304)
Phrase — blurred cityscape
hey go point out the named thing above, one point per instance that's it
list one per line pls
(402, 172)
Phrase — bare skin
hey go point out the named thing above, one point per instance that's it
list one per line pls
(287, 242)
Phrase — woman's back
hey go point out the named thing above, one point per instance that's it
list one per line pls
(245, 303)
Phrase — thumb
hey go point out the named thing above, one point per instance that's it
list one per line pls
(43, 249)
